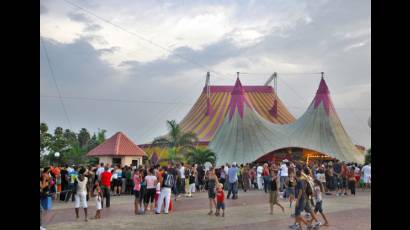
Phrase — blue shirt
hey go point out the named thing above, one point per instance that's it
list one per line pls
(233, 174)
(73, 176)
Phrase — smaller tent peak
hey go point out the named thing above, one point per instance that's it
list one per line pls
(322, 95)
(238, 99)
(323, 89)
(238, 88)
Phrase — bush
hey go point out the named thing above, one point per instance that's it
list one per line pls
(368, 157)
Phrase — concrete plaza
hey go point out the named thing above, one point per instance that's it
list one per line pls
(250, 211)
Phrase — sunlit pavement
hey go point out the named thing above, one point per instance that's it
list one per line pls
(250, 211)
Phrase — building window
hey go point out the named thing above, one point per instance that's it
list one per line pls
(134, 163)
(116, 161)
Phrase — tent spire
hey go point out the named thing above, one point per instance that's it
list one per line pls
(238, 99)
(274, 110)
(209, 109)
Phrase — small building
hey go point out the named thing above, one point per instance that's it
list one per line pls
(118, 149)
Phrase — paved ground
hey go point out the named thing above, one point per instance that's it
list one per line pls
(250, 211)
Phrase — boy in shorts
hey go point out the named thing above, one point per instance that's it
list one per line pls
(220, 200)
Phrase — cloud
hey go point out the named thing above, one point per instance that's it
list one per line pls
(95, 59)
(185, 59)
(43, 9)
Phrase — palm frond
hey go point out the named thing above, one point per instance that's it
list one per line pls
(161, 142)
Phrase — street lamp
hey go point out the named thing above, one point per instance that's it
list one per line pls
(57, 155)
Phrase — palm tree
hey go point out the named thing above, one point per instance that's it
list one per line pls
(178, 142)
(201, 156)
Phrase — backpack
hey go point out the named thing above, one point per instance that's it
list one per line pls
(169, 180)
(187, 172)
(309, 187)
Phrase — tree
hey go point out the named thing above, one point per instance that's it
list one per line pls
(178, 142)
(83, 137)
(70, 137)
(75, 155)
(201, 156)
(45, 138)
(368, 156)
(101, 136)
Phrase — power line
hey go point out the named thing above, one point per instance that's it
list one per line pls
(170, 102)
(143, 38)
(268, 74)
(117, 100)
(55, 83)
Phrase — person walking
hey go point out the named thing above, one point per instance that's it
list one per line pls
(266, 177)
(151, 182)
(168, 183)
(351, 181)
(245, 178)
(220, 203)
(233, 181)
(192, 175)
(273, 192)
(181, 171)
(212, 184)
(137, 190)
(222, 175)
(290, 184)
(367, 176)
(283, 175)
(318, 200)
(116, 180)
(259, 178)
(81, 194)
(106, 185)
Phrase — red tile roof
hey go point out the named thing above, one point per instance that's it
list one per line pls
(117, 145)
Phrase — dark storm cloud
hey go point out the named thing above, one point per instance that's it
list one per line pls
(185, 59)
(43, 9)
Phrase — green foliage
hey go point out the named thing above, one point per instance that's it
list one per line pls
(368, 156)
(83, 137)
(45, 137)
(179, 143)
(201, 156)
(71, 146)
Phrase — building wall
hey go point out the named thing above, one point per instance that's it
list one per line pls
(127, 160)
(105, 160)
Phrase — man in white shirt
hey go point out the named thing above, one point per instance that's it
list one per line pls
(259, 170)
(283, 174)
(100, 170)
(367, 175)
(226, 169)
(182, 176)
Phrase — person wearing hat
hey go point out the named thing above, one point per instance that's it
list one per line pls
(233, 181)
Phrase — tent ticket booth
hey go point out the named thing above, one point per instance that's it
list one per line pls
(118, 150)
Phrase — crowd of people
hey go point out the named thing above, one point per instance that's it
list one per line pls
(301, 184)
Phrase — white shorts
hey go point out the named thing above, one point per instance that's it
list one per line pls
(367, 179)
(98, 204)
(81, 198)
(192, 188)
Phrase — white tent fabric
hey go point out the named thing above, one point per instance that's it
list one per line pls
(246, 136)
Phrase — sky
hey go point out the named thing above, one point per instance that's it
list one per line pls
(131, 65)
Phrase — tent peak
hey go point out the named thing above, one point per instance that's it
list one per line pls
(238, 99)
(322, 95)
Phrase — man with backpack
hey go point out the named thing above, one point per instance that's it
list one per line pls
(303, 191)
(307, 174)
(167, 183)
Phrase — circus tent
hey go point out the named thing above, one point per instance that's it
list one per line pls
(245, 135)
(209, 111)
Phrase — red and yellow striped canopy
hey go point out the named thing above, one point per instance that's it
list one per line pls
(206, 124)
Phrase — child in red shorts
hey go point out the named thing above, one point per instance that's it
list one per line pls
(220, 196)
